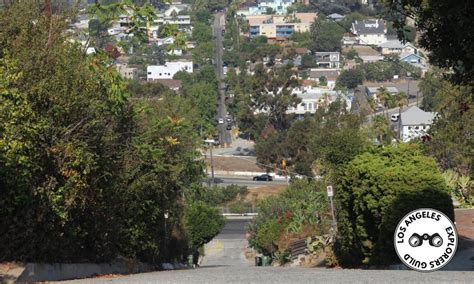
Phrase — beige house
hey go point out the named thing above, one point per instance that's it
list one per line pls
(280, 26)
(127, 72)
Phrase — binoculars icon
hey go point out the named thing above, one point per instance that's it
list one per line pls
(434, 240)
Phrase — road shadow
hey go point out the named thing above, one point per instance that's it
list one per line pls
(212, 266)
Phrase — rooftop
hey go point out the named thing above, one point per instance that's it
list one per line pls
(374, 90)
(328, 73)
(336, 16)
(415, 116)
(392, 44)
(368, 27)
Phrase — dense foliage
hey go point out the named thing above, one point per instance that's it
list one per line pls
(298, 212)
(377, 188)
(442, 32)
(202, 224)
(93, 174)
(376, 71)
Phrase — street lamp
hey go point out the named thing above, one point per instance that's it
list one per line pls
(211, 143)
(166, 215)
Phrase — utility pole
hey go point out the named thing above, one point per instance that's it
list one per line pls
(211, 143)
(408, 81)
(212, 167)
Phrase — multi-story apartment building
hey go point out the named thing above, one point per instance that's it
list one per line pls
(274, 26)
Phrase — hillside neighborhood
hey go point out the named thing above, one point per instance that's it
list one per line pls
(189, 140)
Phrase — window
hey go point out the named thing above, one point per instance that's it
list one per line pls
(149, 73)
(160, 74)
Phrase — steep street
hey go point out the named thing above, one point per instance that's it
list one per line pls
(217, 28)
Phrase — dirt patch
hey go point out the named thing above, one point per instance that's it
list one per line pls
(465, 226)
(243, 164)
(258, 193)
(362, 50)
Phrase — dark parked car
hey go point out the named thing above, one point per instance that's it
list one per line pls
(264, 177)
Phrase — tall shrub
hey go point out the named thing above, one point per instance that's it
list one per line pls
(369, 195)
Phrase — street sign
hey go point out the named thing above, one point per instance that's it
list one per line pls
(330, 191)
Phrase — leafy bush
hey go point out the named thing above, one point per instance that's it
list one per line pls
(369, 196)
(218, 195)
(239, 207)
(404, 203)
(299, 211)
(202, 223)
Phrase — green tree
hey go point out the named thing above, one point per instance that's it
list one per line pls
(62, 122)
(401, 99)
(203, 53)
(326, 35)
(351, 54)
(350, 78)
(323, 81)
(380, 129)
(439, 30)
(429, 86)
(202, 33)
(202, 224)
(450, 141)
(377, 189)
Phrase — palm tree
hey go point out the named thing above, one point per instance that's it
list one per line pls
(384, 97)
(168, 30)
(402, 99)
(380, 127)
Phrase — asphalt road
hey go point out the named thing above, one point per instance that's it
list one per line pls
(243, 180)
(217, 27)
(251, 274)
(234, 228)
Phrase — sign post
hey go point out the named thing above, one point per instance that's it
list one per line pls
(330, 193)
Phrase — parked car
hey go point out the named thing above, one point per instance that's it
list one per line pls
(229, 127)
(264, 177)
(221, 120)
(394, 117)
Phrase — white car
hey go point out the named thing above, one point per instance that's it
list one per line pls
(394, 117)
(221, 121)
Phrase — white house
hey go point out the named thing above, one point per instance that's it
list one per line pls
(327, 59)
(168, 70)
(397, 47)
(370, 32)
(279, 7)
(314, 98)
(415, 123)
(330, 74)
